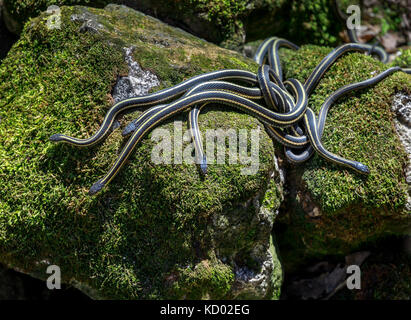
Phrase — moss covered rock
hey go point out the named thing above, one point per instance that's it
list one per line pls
(225, 22)
(17, 12)
(330, 210)
(157, 231)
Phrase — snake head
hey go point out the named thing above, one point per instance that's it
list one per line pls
(55, 137)
(96, 187)
(130, 128)
(362, 168)
(203, 165)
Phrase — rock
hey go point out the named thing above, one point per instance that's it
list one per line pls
(157, 231)
(18, 12)
(227, 23)
(89, 22)
(139, 82)
(402, 109)
(355, 209)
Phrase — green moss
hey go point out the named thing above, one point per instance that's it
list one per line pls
(354, 209)
(404, 59)
(207, 280)
(358, 127)
(126, 241)
(388, 15)
(313, 22)
(278, 271)
(273, 196)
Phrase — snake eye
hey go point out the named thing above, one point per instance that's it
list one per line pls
(362, 168)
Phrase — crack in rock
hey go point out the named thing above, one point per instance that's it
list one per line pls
(138, 82)
(402, 108)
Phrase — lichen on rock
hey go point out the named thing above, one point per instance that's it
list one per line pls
(89, 21)
(138, 82)
(402, 108)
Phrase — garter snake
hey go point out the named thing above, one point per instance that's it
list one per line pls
(280, 105)
(152, 100)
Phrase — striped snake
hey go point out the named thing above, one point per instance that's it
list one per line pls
(282, 106)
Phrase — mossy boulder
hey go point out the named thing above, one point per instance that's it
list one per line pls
(225, 22)
(157, 231)
(18, 12)
(330, 210)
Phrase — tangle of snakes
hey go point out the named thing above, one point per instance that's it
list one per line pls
(281, 105)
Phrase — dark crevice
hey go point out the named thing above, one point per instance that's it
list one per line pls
(390, 252)
(18, 286)
(7, 39)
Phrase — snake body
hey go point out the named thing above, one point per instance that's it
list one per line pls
(301, 142)
(153, 100)
(282, 106)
